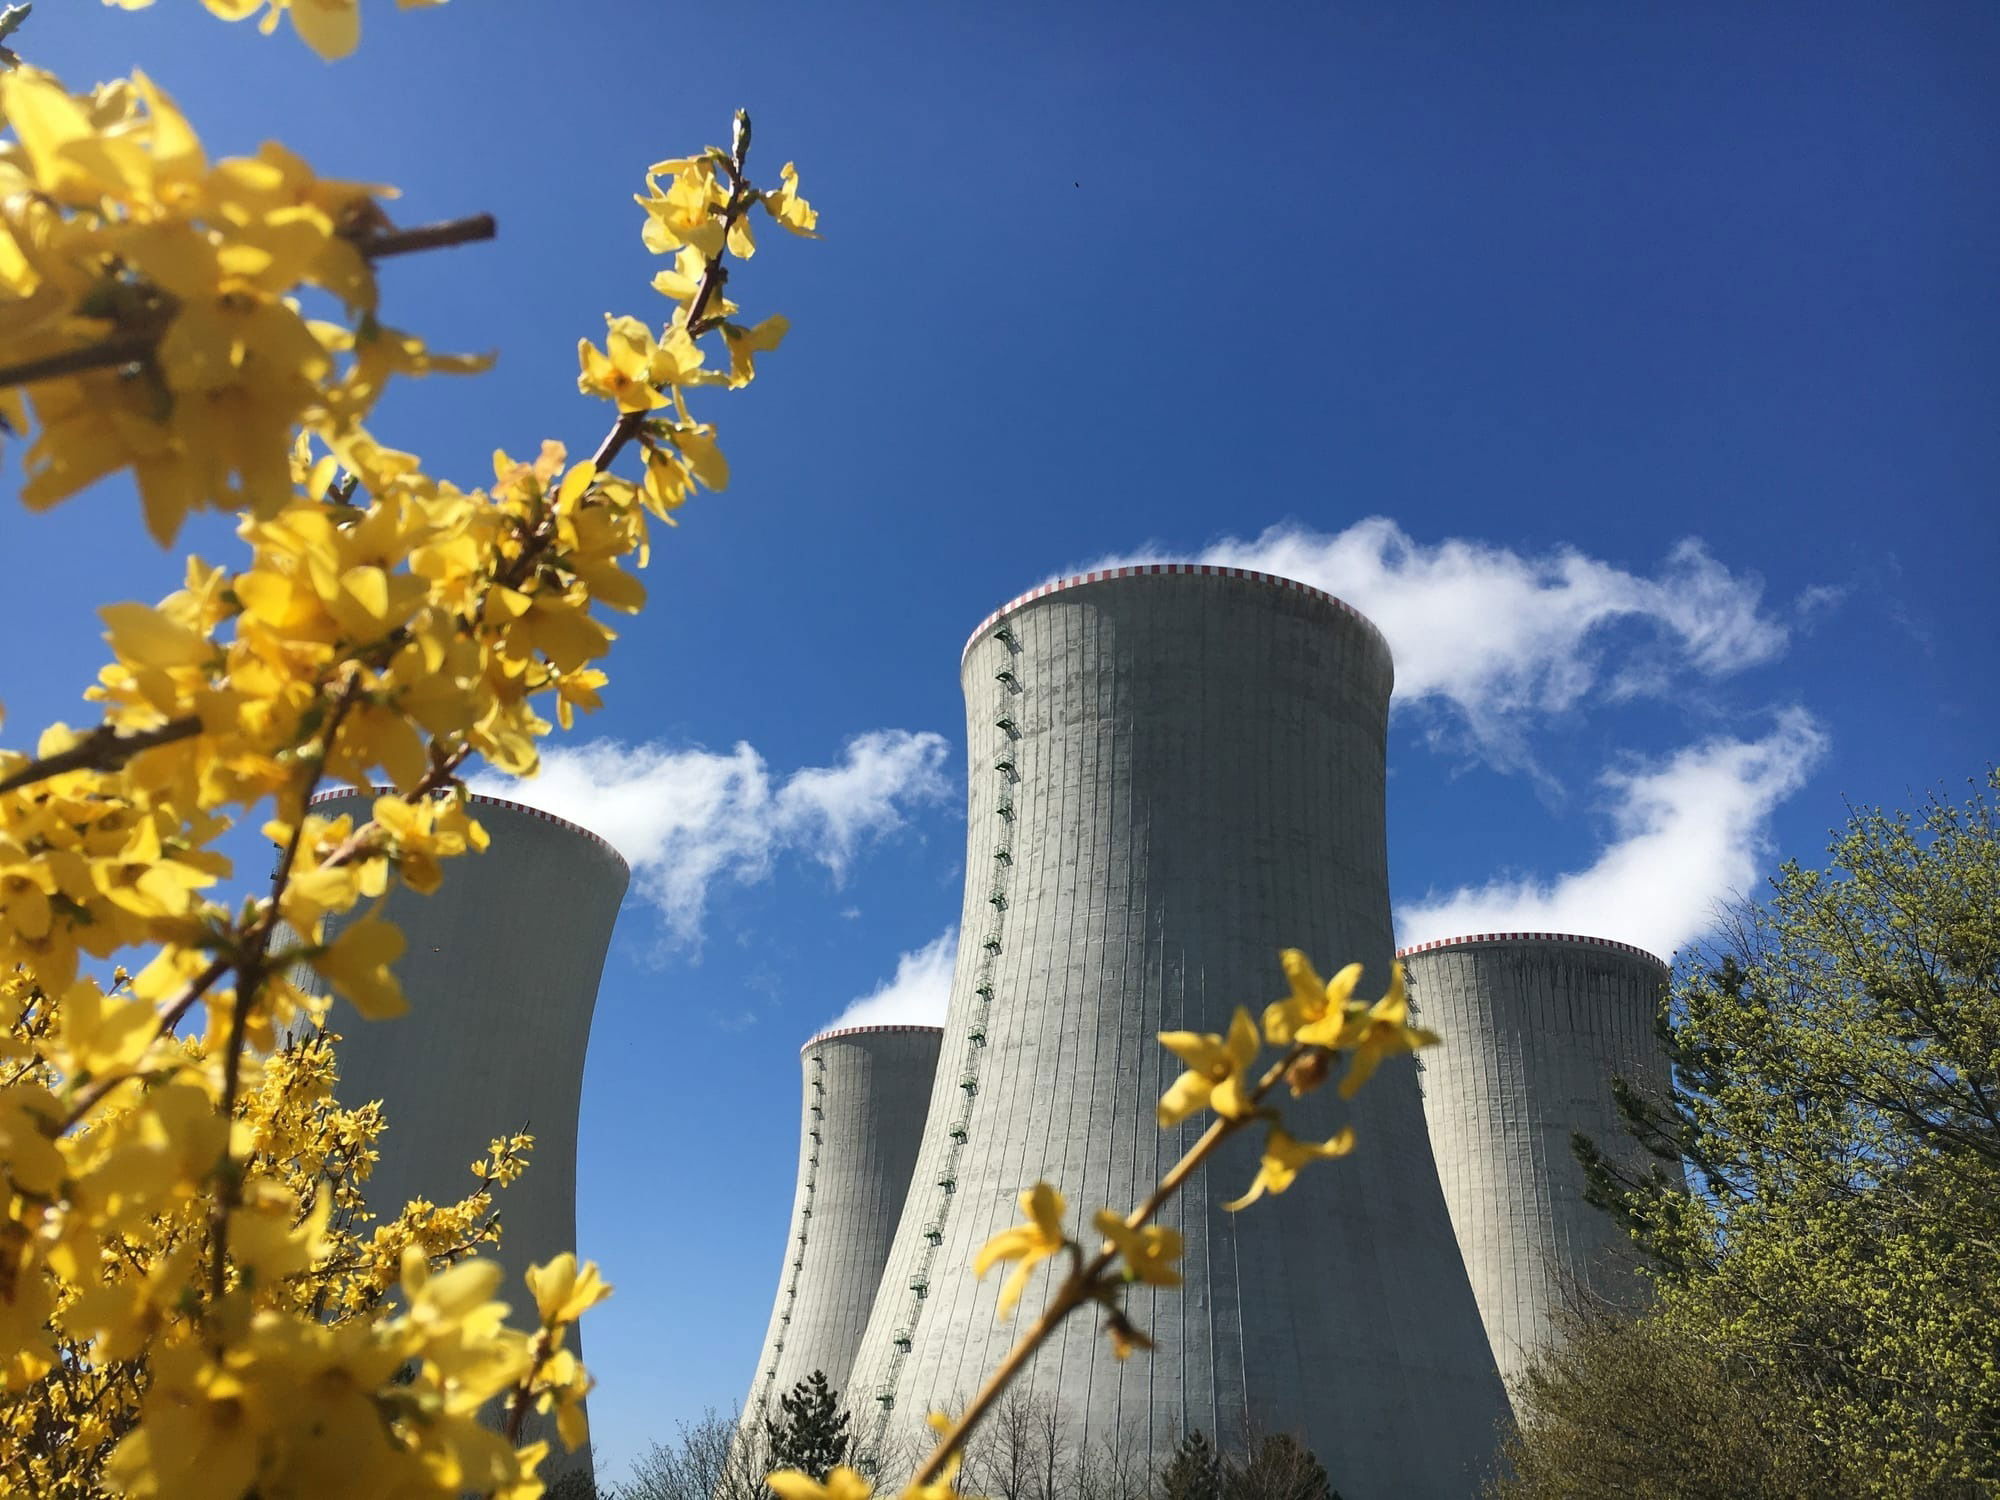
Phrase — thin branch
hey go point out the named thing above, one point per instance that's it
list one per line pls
(103, 749)
(439, 236)
(120, 351)
(517, 1405)
(250, 974)
(137, 346)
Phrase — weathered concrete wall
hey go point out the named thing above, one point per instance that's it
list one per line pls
(1535, 1025)
(861, 1118)
(1175, 773)
(501, 970)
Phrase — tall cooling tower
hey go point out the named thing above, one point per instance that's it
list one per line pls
(861, 1118)
(1535, 1025)
(1176, 772)
(501, 969)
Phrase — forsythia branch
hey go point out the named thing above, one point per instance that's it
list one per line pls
(133, 348)
(438, 236)
(103, 749)
(714, 275)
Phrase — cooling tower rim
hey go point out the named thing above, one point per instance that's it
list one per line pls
(482, 798)
(1490, 938)
(1144, 570)
(839, 1031)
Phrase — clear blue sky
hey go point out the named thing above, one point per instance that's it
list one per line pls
(1549, 290)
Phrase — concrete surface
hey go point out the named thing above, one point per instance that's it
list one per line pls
(1535, 1025)
(861, 1117)
(1175, 772)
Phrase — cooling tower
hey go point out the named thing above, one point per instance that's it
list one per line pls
(1535, 1025)
(1176, 772)
(861, 1118)
(501, 972)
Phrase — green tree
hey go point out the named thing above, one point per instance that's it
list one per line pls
(1838, 1105)
(1194, 1472)
(810, 1431)
(1632, 1407)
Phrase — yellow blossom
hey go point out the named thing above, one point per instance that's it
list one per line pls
(1284, 1156)
(1149, 1252)
(784, 204)
(356, 964)
(1385, 1031)
(842, 1484)
(1316, 1010)
(1216, 1071)
(563, 1290)
(1030, 1243)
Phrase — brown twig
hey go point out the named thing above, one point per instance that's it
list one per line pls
(517, 1404)
(439, 236)
(250, 972)
(119, 351)
(103, 749)
(136, 346)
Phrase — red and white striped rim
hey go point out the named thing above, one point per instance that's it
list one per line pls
(1531, 937)
(840, 1031)
(1142, 570)
(482, 799)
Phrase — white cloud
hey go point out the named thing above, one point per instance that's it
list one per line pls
(915, 995)
(1503, 637)
(685, 818)
(1688, 834)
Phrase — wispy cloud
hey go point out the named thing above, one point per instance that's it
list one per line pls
(685, 818)
(1502, 637)
(1688, 834)
(915, 995)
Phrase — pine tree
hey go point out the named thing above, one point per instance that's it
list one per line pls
(1281, 1468)
(1194, 1472)
(810, 1432)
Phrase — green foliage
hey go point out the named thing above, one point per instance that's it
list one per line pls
(810, 1431)
(1634, 1408)
(1838, 1102)
(1194, 1472)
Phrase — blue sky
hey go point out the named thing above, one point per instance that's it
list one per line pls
(1634, 367)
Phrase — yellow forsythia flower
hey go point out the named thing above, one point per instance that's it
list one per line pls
(1216, 1066)
(356, 964)
(1149, 1252)
(842, 1484)
(1030, 1243)
(1316, 1010)
(1284, 1156)
(563, 1290)
(1385, 1031)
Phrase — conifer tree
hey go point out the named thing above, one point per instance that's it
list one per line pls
(1279, 1468)
(810, 1431)
(1194, 1472)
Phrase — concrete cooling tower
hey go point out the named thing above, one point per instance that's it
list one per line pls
(861, 1118)
(1535, 1025)
(501, 970)
(1176, 772)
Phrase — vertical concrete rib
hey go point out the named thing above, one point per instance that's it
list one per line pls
(861, 1117)
(501, 968)
(1535, 1026)
(1176, 771)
